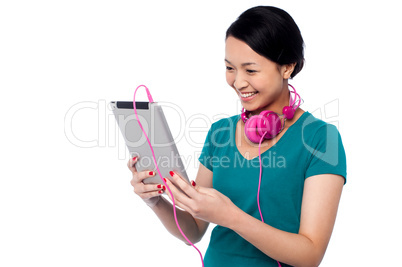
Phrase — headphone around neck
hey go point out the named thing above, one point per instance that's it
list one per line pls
(269, 124)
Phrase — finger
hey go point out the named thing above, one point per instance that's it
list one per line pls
(144, 175)
(204, 190)
(179, 197)
(183, 185)
(139, 177)
(131, 164)
(176, 200)
(147, 188)
(170, 188)
(151, 194)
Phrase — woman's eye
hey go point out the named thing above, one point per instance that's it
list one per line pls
(251, 71)
(229, 68)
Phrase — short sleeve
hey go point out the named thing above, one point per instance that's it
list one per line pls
(207, 152)
(327, 153)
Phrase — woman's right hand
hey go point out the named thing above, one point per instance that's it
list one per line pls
(150, 193)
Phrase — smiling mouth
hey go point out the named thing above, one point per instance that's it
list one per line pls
(246, 95)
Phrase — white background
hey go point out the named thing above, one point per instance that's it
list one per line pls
(62, 204)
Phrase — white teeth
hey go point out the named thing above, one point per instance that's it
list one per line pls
(248, 94)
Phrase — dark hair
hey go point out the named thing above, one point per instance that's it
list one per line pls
(272, 33)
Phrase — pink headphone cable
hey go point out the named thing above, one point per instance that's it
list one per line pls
(259, 183)
(160, 175)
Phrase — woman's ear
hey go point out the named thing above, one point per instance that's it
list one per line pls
(287, 70)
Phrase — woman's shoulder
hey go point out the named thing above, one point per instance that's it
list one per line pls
(318, 134)
(324, 143)
(312, 125)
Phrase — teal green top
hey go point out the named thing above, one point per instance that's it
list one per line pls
(309, 147)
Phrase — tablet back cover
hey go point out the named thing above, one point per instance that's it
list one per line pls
(155, 125)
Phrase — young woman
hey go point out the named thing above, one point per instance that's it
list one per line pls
(274, 199)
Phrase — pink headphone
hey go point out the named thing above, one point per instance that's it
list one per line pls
(269, 124)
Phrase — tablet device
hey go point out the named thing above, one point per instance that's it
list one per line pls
(155, 125)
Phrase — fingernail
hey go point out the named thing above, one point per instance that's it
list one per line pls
(159, 186)
(160, 192)
(134, 158)
(193, 183)
(164, 179)
(151, 173)
(164, 188)
(171, 173)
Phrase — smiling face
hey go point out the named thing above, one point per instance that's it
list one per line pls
(260, 83)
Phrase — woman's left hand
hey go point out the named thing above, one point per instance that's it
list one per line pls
(201, 202)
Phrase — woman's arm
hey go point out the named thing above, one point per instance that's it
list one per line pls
(319, 207)
(307, 248)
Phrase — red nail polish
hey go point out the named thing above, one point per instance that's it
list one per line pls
(151, 173)
(160, 192)
(193, 183)
(134, 158)
(164, 188)
(164, 179)
(159, 186)
(171, 173)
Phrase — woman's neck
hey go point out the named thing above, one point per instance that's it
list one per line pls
(278, 104)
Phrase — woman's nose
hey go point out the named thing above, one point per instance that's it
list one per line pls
(240, 82)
